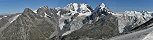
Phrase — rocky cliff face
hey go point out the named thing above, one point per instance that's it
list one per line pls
(27, 26)
(73, 22)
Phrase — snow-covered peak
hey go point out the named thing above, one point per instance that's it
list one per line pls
(85, 8)
(79, 8)
(72, 7)
(75, 6)
(102, 9)
(102, 5)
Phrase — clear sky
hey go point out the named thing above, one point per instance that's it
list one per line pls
(14, 6)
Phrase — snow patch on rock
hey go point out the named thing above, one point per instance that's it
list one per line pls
(58, 13)
(45, 14)
(14, 18)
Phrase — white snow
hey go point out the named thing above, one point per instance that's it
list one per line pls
(58, 13)
(35, 11)
(61, 25)
(14, 18)
(75, 5)
(85, 14)
(72, 6)
(68, 32)
(40, 7)
(45, 14)
(97, 18)
(138, 14)
(4, 16)
(132, 13)
(83, 8)
(102, 5)
(84, 11)
(77, 22)
(73, 12)
(57, 8)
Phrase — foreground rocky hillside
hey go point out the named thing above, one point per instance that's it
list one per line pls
(76, 22)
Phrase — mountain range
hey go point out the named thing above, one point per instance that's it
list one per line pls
(76, 22)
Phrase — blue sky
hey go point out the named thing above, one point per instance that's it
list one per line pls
(14, 6)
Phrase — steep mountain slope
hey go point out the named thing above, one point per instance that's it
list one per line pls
(27, 26)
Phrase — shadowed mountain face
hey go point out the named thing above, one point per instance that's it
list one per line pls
(73, 22)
